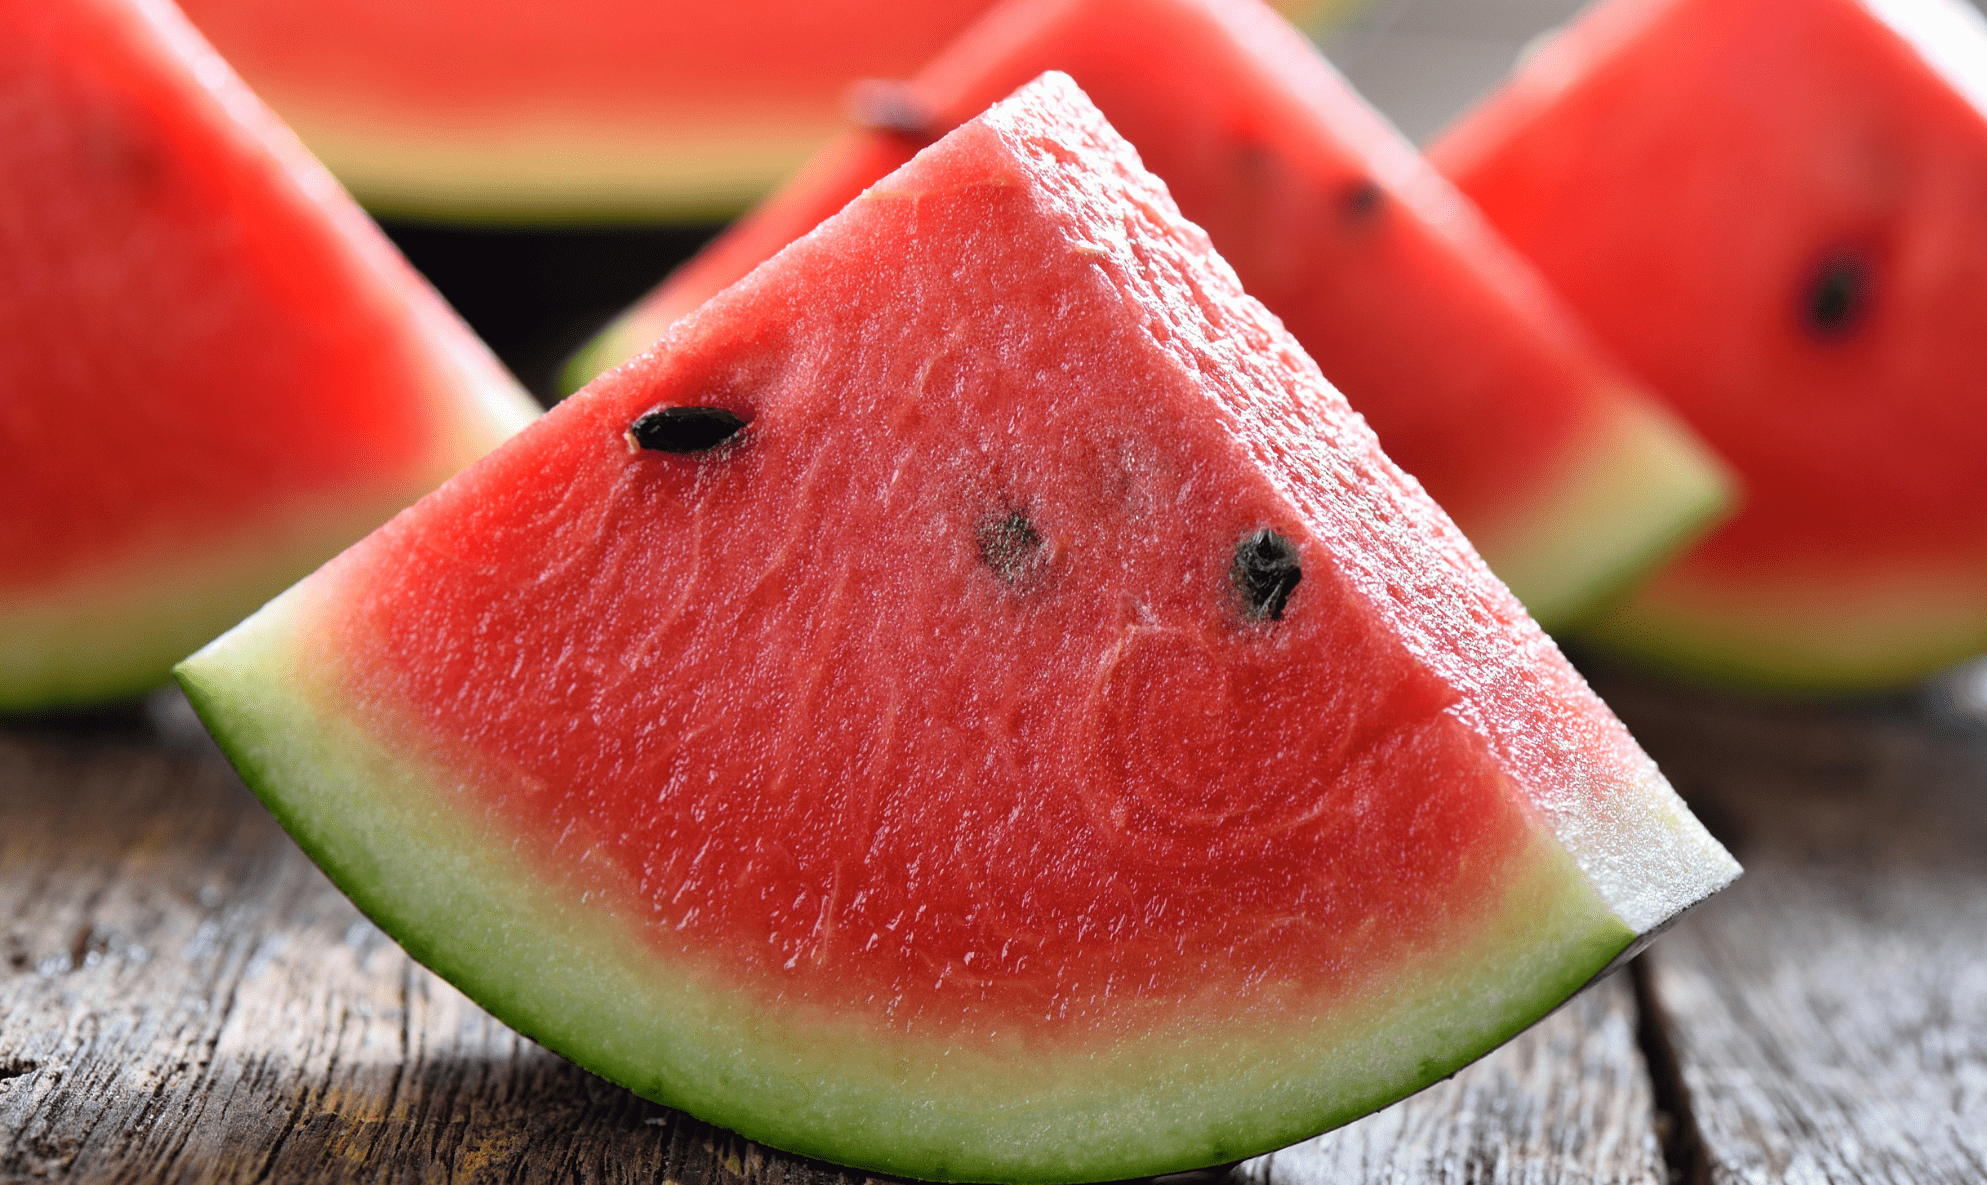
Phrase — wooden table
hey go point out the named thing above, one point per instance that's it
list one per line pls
(183, 997)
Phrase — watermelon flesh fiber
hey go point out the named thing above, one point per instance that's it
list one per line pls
(1566, 478)
(795, 785)
(1770, 210)
(214, 370)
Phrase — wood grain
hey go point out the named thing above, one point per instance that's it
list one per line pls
(1828, 1014)
(183, 997)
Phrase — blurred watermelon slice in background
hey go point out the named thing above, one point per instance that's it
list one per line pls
(214, 371)
(1775, 212)
(1479, 383)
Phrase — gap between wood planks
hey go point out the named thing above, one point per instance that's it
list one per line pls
(1682, 1145)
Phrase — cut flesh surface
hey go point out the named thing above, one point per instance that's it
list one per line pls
(214, 371)
(923, 778)
(1567, 480)
(1771, 211)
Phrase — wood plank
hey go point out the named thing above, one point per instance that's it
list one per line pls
(1828, 1014)
(184, 997)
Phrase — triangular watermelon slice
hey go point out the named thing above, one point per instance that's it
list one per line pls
(1776, 212)
(976, 704)
(214, 371)
(1564, 476)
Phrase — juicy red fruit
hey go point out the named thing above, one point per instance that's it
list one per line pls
(1771, 211)
(138, 352)
(1095, 708)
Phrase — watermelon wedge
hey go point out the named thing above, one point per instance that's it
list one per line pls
(214, 371)
(976, 704)
(520, 110)
(1772, 211)
(1565, 477)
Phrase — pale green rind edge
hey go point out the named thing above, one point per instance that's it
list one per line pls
(1798, 648)
(568, 977)
(632, 331)
(475, 208)
(115, 630)
(610, 168)
(1639, 488)
(602, 352)
(112, 634)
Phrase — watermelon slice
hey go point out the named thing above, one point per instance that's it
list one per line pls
(976, 704)
(1560, 472)
(1772, 211)
(519, 110)
(214, 372)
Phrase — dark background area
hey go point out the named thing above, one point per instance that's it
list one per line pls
(537, 295)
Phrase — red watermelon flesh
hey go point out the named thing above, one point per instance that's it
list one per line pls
(1772, 211)
(1049, 741)
(214, 372)
(1481, 385)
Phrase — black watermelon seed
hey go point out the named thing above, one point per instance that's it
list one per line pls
(684, 429)
(1008, 543)
(1362, 199)
(894, 107)
(1255, 160)
(1837, 296)
(1265, 573)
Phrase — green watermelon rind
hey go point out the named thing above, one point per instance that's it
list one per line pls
(1637, 490)
(114, 631)
(579, 175)
(1813, 636)
(568, 977)
(581, 160)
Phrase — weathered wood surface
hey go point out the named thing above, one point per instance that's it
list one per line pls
(1828, 1014)
(183, 997)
